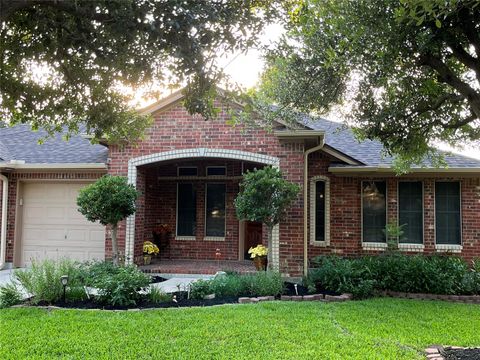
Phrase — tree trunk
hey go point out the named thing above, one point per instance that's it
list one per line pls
(269, 245)
(114, 245)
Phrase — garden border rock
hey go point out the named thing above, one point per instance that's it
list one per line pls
(467, 299)
(312, 297)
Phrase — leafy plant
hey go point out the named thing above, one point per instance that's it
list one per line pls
(265, 197)
(200, 288)
(157, 296)
(396, 272)
(9, 295)
(117, 285)
(42, 279)
(393, 233)
(109, 200)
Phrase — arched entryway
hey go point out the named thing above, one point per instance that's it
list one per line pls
(193, 154)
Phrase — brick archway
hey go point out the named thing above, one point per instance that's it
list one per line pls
(133, 163)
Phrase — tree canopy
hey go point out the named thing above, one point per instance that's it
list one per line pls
(408, 70)
(109, 200)
(265, 197)
(63, 63)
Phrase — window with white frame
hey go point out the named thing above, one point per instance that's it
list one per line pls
(319, 210)
(215, 197)
(374, 211)
(448, 227)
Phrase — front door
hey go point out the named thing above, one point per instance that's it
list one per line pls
(253, 236)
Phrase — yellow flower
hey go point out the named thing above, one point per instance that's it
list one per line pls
(258, 250)
(150, 248)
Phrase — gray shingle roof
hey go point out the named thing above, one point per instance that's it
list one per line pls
(21, 143)
(371, 153)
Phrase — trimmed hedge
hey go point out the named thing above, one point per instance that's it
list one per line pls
(365, 276)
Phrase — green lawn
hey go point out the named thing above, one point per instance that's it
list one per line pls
(373, 329)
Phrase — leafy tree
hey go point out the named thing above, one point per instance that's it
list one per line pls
(264, 197)
(64, 62)
(410, 69)
(109, 200)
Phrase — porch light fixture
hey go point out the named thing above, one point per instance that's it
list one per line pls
(371, 190)
(64, 281)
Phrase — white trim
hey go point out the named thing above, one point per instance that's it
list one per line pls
(375, 245)
(412, 245)
(388, 169)
(189, 154)
(185, 238)
(447, 247)
(313, 203)
(214, 238)
(56, 166)
(3, 227)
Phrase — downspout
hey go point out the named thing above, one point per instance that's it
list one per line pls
(305, 203)
(3, 231)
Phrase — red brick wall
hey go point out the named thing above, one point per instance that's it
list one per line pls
(345, 211)
(175, 129)
(14, 178)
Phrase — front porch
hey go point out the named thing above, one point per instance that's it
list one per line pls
(199, 267)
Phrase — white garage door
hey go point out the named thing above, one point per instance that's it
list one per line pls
(53, 228)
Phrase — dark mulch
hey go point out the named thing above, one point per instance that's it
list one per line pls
(289, 290)
(180, 299)
(461, 354)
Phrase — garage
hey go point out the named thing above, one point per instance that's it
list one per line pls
(53, 228)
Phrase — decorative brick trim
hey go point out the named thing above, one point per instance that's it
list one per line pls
(195, 153)
(313, 202)
(448, 248)
(411, 247)
(376, 246)
(471, 299)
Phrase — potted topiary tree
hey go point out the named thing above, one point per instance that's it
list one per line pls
(264, 197)
(109, 200)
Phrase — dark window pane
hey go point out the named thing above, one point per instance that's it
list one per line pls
(216, 170)
(410, 211)
(374, 210)
(215, 210)
(320, 211)
(187, 171)
(447, 213)
(187, 210)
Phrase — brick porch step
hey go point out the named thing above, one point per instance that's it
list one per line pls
(206, 267)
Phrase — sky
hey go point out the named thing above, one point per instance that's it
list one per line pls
(245, 69)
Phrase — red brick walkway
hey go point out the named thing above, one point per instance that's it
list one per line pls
(198, 266)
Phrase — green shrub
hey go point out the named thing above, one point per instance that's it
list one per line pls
(200, 288)
(157, 296)
(42, 280)
(262, 283)
(396, 272)
(265, 283)
(117, 285)
(9, 295)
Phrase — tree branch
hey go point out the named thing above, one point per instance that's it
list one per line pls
(448, 76)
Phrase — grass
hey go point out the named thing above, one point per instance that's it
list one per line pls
(371, 329)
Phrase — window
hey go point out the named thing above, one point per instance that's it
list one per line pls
(187, 171)
(186, 210)
(216, 170)
(374, 211)
(410, 211)
(319, 211)
(447, 213)
(215, 210)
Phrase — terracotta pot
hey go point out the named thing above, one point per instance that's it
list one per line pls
(147, 259)
(260, 263)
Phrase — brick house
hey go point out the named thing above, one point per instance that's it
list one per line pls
(188, 172)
